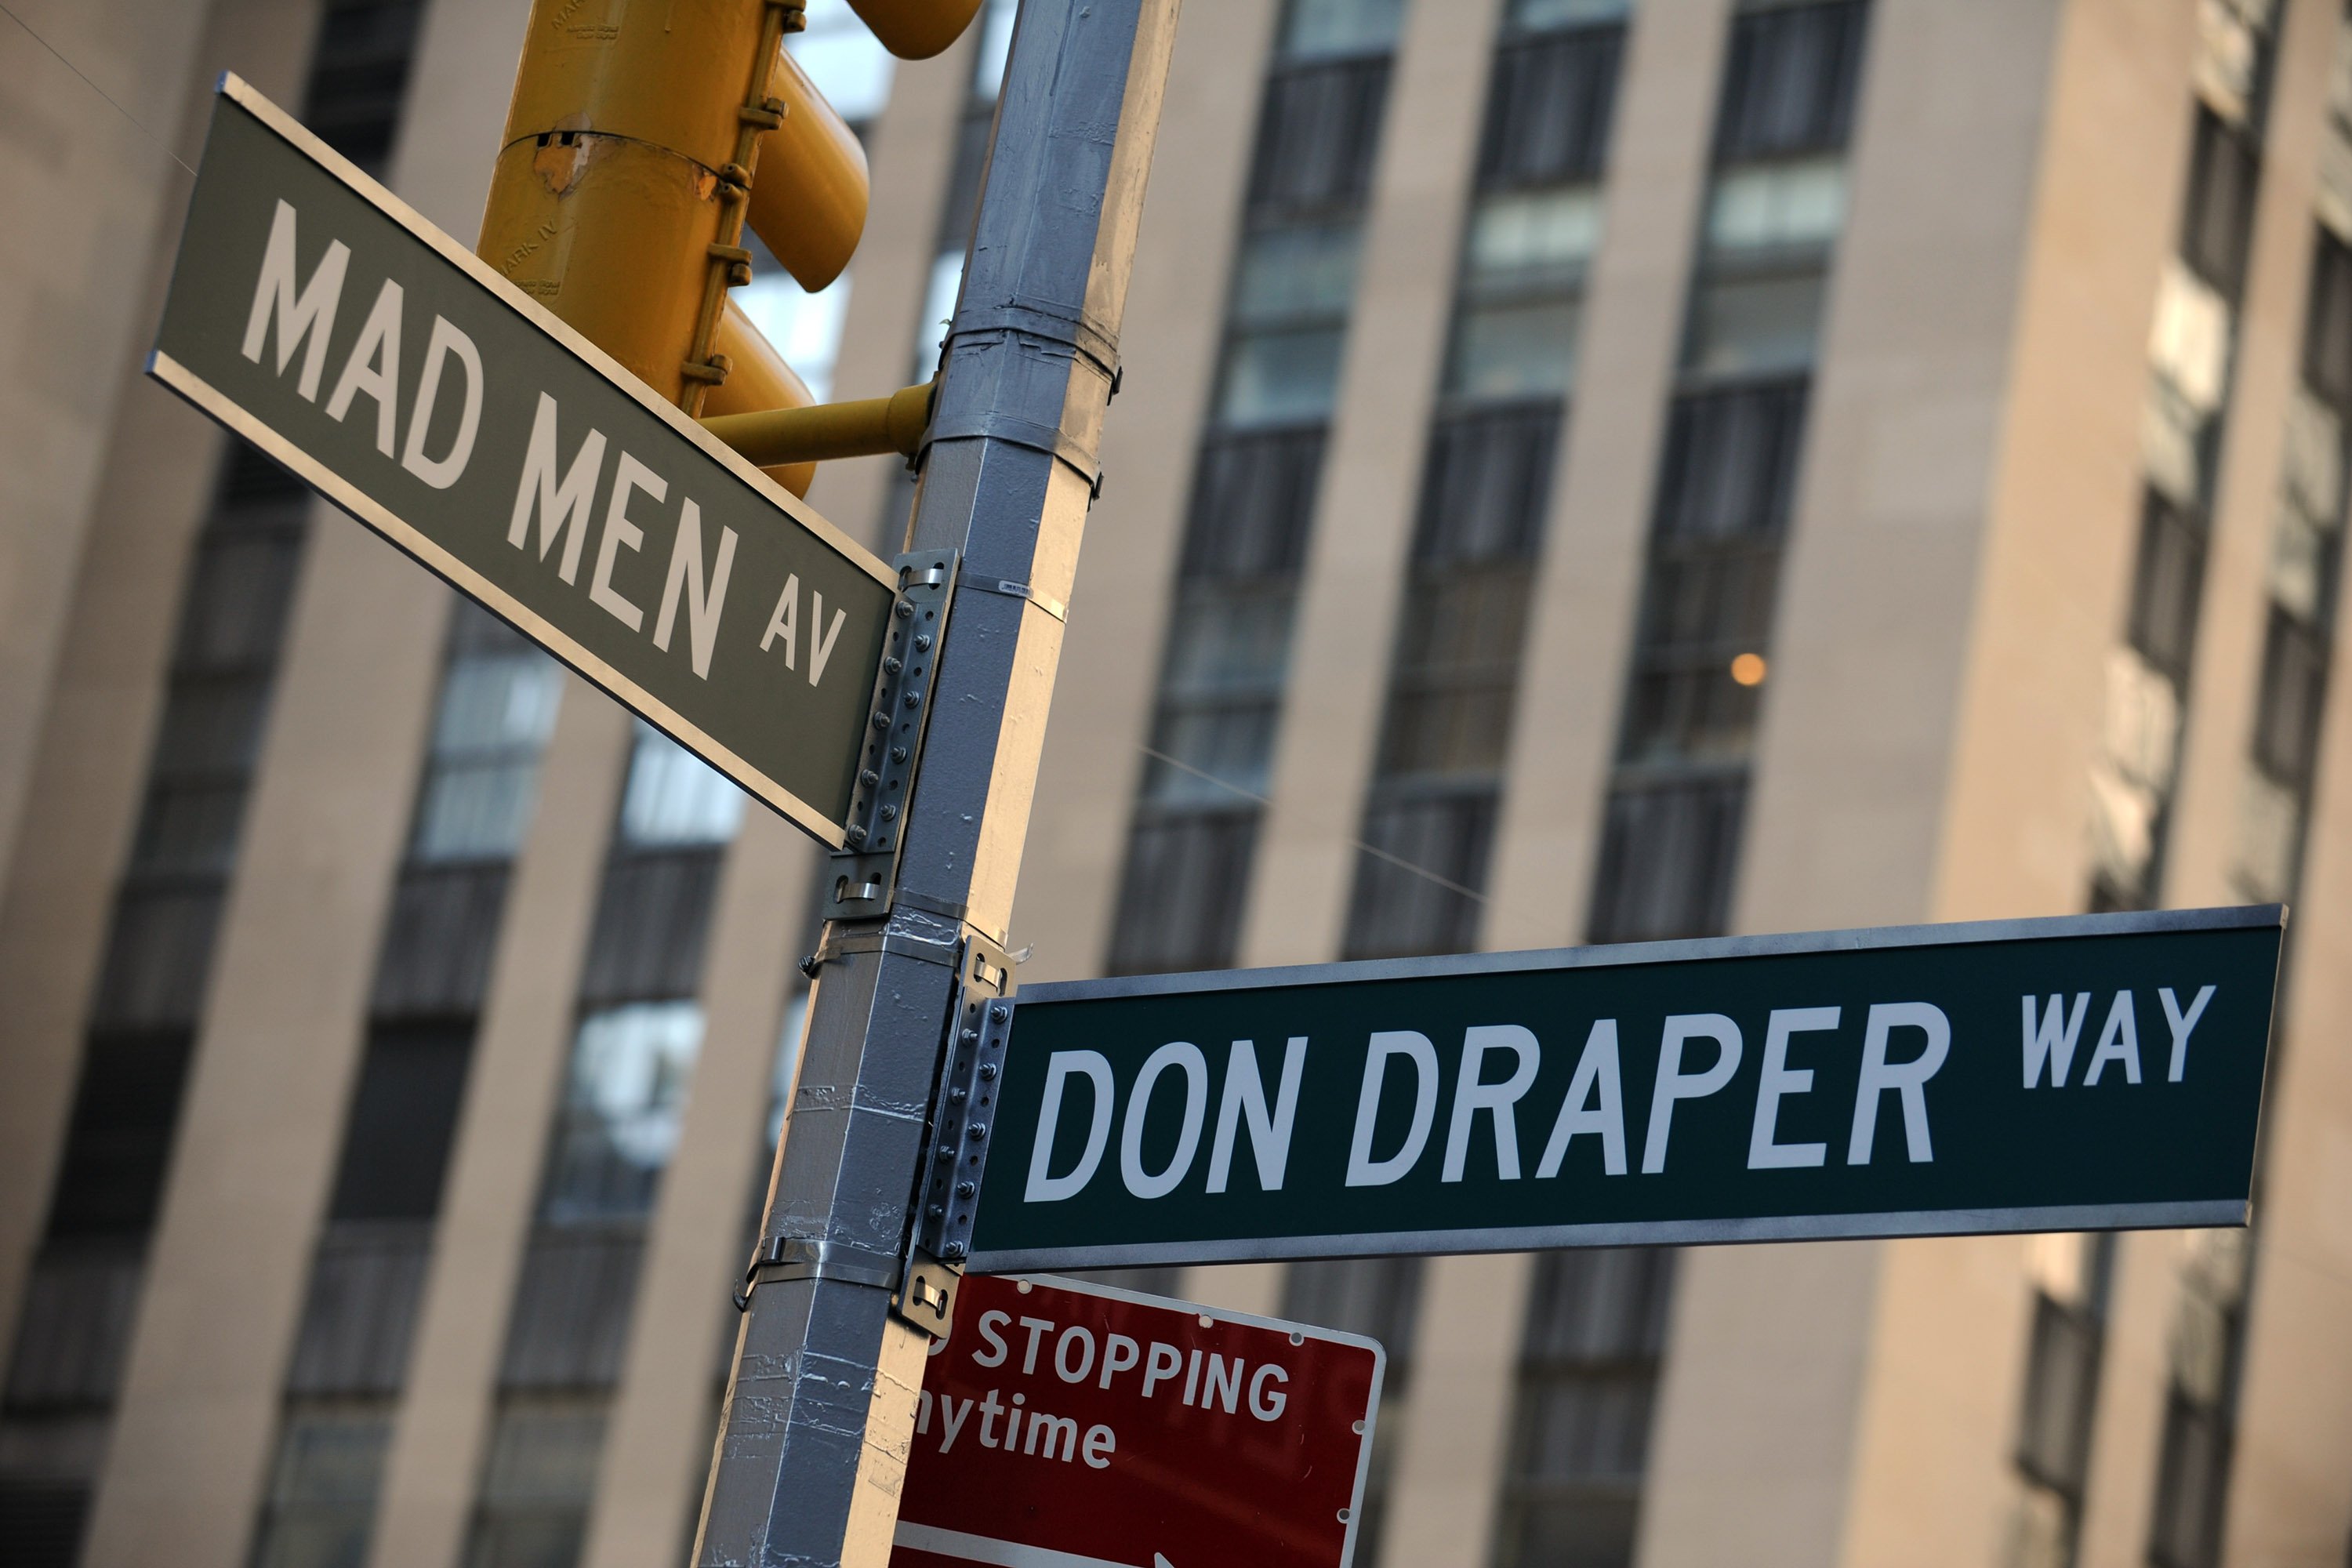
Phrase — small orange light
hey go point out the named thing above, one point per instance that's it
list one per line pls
(1749, 669)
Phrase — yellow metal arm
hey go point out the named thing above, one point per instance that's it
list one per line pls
(866, 427)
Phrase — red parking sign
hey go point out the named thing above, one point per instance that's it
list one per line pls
(1072, 1425)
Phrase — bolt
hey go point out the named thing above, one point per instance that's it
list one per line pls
(856, 833)
(914, 699)
(957, 1096)
(946, 1156)
(810, 964)
(905, 611)
(987, 1070)
(971, 1036)
(869, 778)
(966, 1189)
(897, 753)
(939, 1211)
(892, 667)
(881, 719)
(954, 1250)
(923, 642)
(1000, 1012)
(889, 814)
(976, 1132)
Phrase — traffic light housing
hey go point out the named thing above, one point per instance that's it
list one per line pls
(643, 138)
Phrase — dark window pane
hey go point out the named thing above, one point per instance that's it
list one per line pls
(1486, 485)
(49, 1471)
(238, 591)
(538, 1484)
(1187, 880)
(1318, 134)
(1547, 114)
(359, 71)
(76, 1324)
(1756, 324)
(2192, 1473)
(572, 1309)
(1253, 500)
(438, 941)
(1419, 881)
(2327, 324)
(323, 1487)
(403, 1118)
(2167, 585)
(118, 1142)
(1730, 463)
(1667, 854)
(1456, 673)
(158, 955)
(2062, 1381)
(652, 919)
(1789, 86)
(2294, 684)
(367, 1282)
(2218, 219)
(1706, 619)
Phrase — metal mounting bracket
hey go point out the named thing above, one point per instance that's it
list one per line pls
(947, 1189)
(865, 874)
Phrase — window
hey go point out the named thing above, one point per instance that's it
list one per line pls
(538, 1484)
(1519, 307)
(626, 1094)
(2287, 707)
(322, 1491)
(1795, 206)
(1667, 854)
(1319, 29)
(1291, 290)
(2167, 585)
(572, 1308)
(2327, 323)
(675, 798)
(2218, 219)
(1318, 134)
(497, 709)
(1789, 86)
(1253, 502)
(403, 1118)
(359, 72)
(1587, 1379)
(1548, 110)
(1487, 483)
(438, 941)
(74, 1326)
(47, 1471)
(367, 1282)
(118, 1141)
(1416, 881)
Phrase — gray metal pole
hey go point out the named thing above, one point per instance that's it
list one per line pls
(820, 1406)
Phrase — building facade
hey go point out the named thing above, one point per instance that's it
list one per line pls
(1588, 470)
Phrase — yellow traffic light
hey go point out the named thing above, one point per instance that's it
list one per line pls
(638, 147)
(916, 29)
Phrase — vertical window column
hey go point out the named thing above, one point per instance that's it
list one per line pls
(82, 1294)
(1670, 838)
(639, 1031)
(1254, 489)
(2192, 350)
(2067, 1341)
(1429, 823)
(1580, 1430)
(496, 710)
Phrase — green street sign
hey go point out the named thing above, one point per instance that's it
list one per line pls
(316, 315)
(2091, 1072)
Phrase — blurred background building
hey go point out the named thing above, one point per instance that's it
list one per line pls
(1588, 470)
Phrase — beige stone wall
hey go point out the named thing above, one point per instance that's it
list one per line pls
(88, 185)
(85, 766)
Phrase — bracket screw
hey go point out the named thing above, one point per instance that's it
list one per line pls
(889, 814)
(881, 719)
(987, 1070)
(856, 833)
(923, 642)
(891, 665)
(914, 699)
(946, 1156)
(939, 1211)
(869, 778)
(1000, 1012)
(897, 753)
(976, 1132)
(954, 1250)
(905, 609)
(957, 1096)
(966, 1189)
(810, 964)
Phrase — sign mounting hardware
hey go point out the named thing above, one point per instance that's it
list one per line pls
(865, 873)
(946, 1197)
